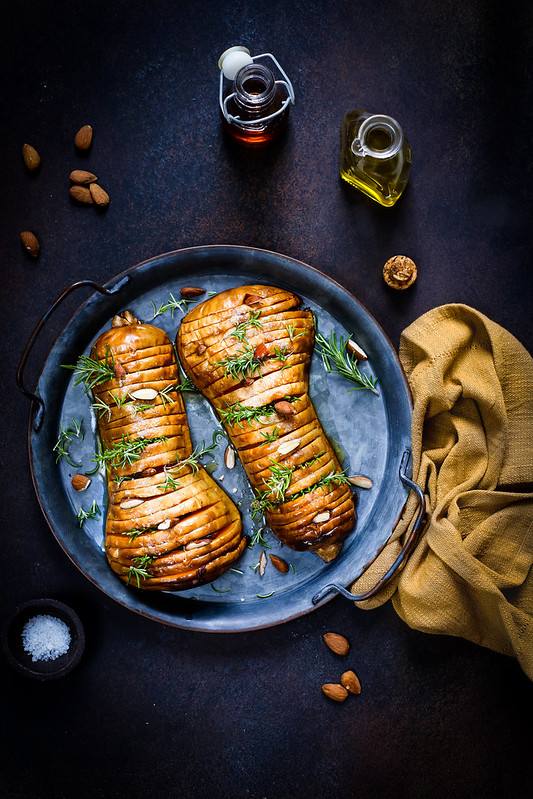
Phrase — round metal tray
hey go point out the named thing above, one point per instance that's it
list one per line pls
(370, 433)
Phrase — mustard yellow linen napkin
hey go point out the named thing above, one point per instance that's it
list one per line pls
(471, 572)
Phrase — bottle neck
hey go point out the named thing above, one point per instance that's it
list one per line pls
(254, 88)
(379, 136)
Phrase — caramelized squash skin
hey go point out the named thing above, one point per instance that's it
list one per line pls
(169, 526)
(264, 330)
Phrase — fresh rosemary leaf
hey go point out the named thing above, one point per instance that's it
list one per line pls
(124, 452)
(140, 571)
(253, 321)
(172, 305)
(242, 363)
(93, 513)
(291, 330)
(220, 590)
(337, 360)
(65, 437)
(92, 372)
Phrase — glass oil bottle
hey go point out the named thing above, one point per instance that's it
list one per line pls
(375, 156)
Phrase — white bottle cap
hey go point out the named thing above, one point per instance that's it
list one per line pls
(234, 59)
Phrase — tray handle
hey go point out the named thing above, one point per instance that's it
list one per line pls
(403, 554)
(32, 339)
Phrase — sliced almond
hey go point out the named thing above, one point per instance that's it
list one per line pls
(288, 446)
(81, 194)
(146, 394)
(262, 563)
(126, 504)
(356, 350)
(84, 137)
(191, 291)
(201, 542)
(99, 195)
(251, 299)
(321, 517)
(31, 157)
(337, 643)
(80, 482)
(30, 243)
(82, 177)
(280, 564)
(360, 481)
(229, 457)
(284, 408)
(164, 525)
(335, 691)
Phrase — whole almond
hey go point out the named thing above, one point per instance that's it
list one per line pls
(81, 194)
(30, 242)
(351, 682)
(191, 291)
(335, 691)
(337, 643)
(31, 157)
(261, 351)
(80, 482)
(84, 137)
(284, 408)
(98, 194)
(82, 176)
(200, 348)
(278, 563)
(119, 370)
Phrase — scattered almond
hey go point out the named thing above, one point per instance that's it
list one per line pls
(359, 480)
(84, 137)
(98, 194)
(356, 350)
(324, 516)
(30, 242)
(337, 643)
(280, 564)
(229, 457)
(284, 408)
(31, 157)
(351, 682)
(288, 446)
(81, 194)
(146, 394)
(335, 691)
(262, 563)
(80, 482)
(251, 299)
(164, 525)
(191, 291)
(81, 176)
(126, 504)
(261, 351)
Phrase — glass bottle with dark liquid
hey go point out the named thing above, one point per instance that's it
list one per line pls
(375, 156)
(255, 108)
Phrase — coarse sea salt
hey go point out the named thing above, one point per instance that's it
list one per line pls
(45, 637)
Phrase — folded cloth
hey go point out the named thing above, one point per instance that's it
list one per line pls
(471, 571)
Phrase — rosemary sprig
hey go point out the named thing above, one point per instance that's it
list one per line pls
(186, 385)
(282, 353)
(170, 483)
(64, 439)
(291, 328)
(239, 332)
(192, 460)
(237, 413)
(140, 572)
(92, 372)
(261, 503)
(100, 407)
(172, 305)
(279, 480)
(336, 359)
(124, 452)
(324, 482)
(242, 363)
(133, 534)
(93, 513)
(270, 437)
(258, 537)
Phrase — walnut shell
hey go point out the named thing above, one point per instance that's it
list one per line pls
(399, 272)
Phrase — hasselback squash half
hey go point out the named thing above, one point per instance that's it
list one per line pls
(248, 350)
(169, 525)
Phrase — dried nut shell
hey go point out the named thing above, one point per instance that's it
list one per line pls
(229, 457)
(261, 351)
(80, 482)
(126, 504)
(337, 643)
(81, 194)
(288, 446)
(356, 350)
(191, 291)
(84, 137)
(251, 299)
(81, 176)
(279, 564)
(324, 516)
(335, 691)
(98, 194)
(30, 242)
(359, 480)
(31, 157)
(351, 682)
(284, 408)
(399, 272)
(262, 563)
(164, 525)
(146, 394)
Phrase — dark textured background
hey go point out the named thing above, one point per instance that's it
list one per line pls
(156, 711)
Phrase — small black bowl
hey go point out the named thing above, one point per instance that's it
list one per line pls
(14, 648)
